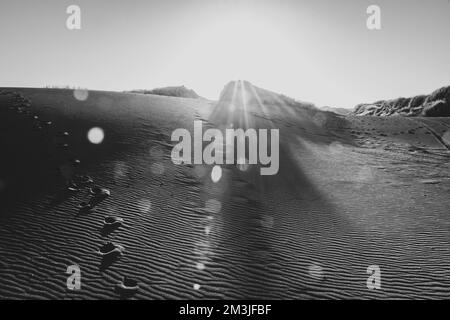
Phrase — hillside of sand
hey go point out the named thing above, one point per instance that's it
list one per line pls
(351, 192)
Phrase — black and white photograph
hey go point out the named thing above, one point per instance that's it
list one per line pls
(224, 150)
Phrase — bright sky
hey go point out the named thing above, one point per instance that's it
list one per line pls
(318, 51)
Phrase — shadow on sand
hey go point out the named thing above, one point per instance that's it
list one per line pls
(255, 234)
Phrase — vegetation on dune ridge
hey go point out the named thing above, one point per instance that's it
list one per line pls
(175, 91)
(436, 104)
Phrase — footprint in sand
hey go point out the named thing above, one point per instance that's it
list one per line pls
(85, 207)
(110, 253)
(99, 192)
(74, 182)
(62, 146)
(78, 182)
(110, 250)
(127, 287)
(46, 124)
(83, 180)
(112, 222)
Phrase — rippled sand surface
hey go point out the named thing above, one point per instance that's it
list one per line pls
(351, 192)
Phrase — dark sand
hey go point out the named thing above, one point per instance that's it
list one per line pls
(351, 192)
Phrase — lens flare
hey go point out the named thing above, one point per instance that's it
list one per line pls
(96, 135)
(216, 174)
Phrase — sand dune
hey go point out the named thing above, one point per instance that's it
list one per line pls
(352, 191)
(180, 91)
(436, 104)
